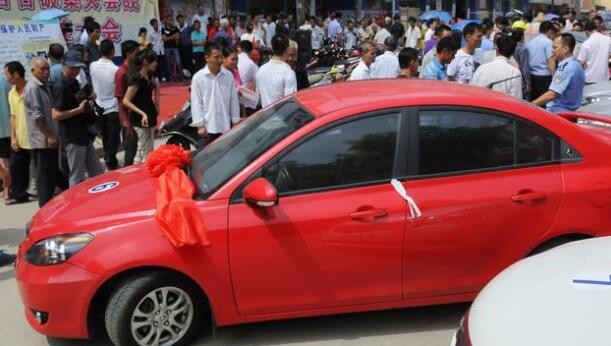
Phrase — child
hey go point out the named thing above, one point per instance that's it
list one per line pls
(143, 39)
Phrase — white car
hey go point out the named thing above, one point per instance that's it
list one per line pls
(561, 297)
(597, 98)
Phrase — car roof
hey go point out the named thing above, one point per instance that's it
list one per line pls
(381, 93)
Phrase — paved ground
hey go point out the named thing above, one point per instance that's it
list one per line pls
(432, 326)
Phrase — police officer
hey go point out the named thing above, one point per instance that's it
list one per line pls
(540, 59)
(566, 90)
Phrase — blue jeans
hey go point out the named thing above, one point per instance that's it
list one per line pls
(169, 53)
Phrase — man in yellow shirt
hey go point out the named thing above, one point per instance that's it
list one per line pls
(20, 142)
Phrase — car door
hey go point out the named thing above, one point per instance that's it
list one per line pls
(488, 186)
(336, 236)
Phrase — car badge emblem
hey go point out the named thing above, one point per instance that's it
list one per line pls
(104, 187)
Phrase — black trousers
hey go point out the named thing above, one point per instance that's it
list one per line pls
(48, 176)
(186, 57)
(130, 146)
(540, 85)
(162, 70)
(20, 174)
(211, 137)
(110, 130)
(200, 62)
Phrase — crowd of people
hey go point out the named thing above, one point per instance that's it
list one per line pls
(48, 123)
(547, 62)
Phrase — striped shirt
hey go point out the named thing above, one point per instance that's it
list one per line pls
(275, 80)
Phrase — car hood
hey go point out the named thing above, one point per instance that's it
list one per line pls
(560, 297)
(116, 197)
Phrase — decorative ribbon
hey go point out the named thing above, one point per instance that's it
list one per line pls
(413, 207)
(177, 215)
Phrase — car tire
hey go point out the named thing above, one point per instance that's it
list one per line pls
(146, 308)
(554, 243)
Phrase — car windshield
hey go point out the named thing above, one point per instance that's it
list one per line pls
(219, 161)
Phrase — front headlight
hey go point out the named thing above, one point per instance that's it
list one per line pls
(57, 250)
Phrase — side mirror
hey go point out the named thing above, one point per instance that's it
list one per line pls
(261, 193)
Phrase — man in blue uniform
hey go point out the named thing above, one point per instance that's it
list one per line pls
(566, 90)
(436, 69)
(540, 59)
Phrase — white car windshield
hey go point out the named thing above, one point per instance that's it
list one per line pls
(220, 160)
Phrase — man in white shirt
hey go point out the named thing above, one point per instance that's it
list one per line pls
(500, 74)
(276, 79)
(412, 34)
(383, 33)
(461, 69)
(214, 99)
(250, 36)
(368, 57)
(335, 28)
(248, 69)
(318, 35)
(570, 20)
(270, 30)
(156, 40)
(102, 74)
(202, 16)
(351, 36)
(430, 32)
(84, 38)
(387, 64)
(594, 55)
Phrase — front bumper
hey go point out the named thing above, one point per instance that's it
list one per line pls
(62, 292)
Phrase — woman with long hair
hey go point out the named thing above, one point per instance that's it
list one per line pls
(138, 100)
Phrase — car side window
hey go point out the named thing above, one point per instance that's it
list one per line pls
(359, 151)
(454, 141)
(534, 144)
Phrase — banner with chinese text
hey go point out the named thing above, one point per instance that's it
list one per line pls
(21, 40)
(120, 19)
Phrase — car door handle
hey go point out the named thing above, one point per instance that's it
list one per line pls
(369, 214)
(529, 197)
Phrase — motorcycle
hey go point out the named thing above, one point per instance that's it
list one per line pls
(179, 129)
(343, 64)
(338, 72)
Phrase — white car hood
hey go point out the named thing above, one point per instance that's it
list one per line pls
(538, 302)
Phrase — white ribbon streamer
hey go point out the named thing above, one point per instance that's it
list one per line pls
(413, 207)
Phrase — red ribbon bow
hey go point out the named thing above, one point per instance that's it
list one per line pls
(177, 215)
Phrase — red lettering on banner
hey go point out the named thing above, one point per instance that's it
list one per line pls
(47, 4)
(72, 5)
(112, 30)
(131, 5)
(26, 5)
(5, 5)
(92, 5)
(112, 5)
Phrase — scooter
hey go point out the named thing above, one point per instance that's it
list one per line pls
(179, 129)
(338, 72)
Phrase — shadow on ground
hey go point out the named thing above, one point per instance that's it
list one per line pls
(319, 329)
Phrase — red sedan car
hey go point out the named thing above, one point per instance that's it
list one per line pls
(358, 196)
